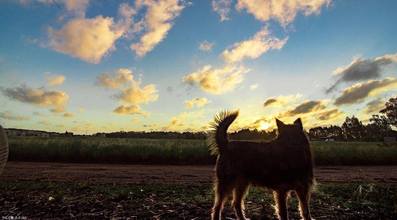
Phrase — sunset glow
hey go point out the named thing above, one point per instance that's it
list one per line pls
(100, 66)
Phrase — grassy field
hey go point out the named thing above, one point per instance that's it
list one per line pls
(87, 201)
(179, 151)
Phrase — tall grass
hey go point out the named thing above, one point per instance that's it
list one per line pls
(178, 151)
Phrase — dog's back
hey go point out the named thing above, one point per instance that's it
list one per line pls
(266, 164)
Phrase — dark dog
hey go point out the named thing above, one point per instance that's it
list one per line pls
(283, 165)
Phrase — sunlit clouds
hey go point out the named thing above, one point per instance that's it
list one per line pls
(120, 78)
(86, 39)
(283, 11)
(252, 48)
(131, 93)
(362, 69)
(196, 102)
(157, 23)
(55, 100)
(217, 80)
(360, 91)
(90, 39)
(281, 100)
(55, 80)
(223, 8)
(7, 115)
(170, 65)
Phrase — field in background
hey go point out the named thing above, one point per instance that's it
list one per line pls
(178, 151)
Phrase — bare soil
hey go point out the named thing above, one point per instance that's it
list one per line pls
(36, 190)
(166, 174)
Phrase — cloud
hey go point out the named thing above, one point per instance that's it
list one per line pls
(206, 46)
(360, 91)
(186, 121)
(40, 97)
(222, 7)
(88, 39)
(253, 48)
(156, 24)
(362, 69)
(374, 106)
(281, 100)
(329, 114)
(283, 11)
(135, 94)
(55, 80)
(11, 116)
(196, 102)
(253, 87)
(68, 115)
(121, 77)
(129, 110)
(76, 6)
(305, 107)
(217, 81)
(131, 93)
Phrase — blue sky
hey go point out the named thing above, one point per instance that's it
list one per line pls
(91, 66)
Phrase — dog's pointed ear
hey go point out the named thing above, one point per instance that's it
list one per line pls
(280, 124)
(298, 123)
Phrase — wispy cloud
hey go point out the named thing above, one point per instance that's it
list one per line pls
(206, 46)
(281, 100)
(217, 80)
(253, 48)
(374, 106)
(11, 116)
(55, 80)
(329, 114)
(305, 107)
(129, 110)
(131, 93)
(40, 97)
(196, 102)
(283, 11)
(157, 23)
(223, 8)
(116, 80)
(360, 91)
(362, 69)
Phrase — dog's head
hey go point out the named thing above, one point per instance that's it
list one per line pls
(292, 133)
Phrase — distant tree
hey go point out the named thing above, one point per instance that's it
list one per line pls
(332, 132)
(390, 111)
(353, 129)
(378, 128)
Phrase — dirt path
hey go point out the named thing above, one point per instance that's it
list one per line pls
(116, 173)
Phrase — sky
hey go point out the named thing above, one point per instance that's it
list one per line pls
(170, 65)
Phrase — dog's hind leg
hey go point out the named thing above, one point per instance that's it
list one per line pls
(239, 193)
(221, 193)
(303, 193)
(280, 197)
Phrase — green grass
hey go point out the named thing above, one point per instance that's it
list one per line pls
(84, 200)
(178, 151)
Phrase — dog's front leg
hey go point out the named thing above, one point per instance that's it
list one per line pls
(280, 197)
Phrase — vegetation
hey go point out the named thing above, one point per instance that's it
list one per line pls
(40, 199)
(178, 151)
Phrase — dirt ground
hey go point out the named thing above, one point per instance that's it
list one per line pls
(31, 190)
(144, 174)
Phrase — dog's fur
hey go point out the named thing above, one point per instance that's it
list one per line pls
(282, 165)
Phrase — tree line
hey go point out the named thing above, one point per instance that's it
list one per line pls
(352, 129)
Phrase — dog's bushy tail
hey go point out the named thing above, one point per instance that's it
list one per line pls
(218, 137)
